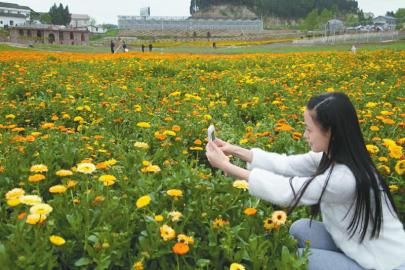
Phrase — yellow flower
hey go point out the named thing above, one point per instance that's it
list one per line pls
(400, 167)
(243, 141)
(167, 232)
(185, 239)
(241, 184)
(143, 124)
(36, 178)
(15, 193)
(169, 132)
(196, 148)
(174, 193)
(86, 168)
(388, 142)
(30, 199)
(175, 215)
(374, 128)
(41, 209)
(39, 168)
(13, 202)
(71, 183)
(151, 168)
(143, 201)
(159, 218)
(372, 148)
(57, 189)
(35, 218)
(219, 222)
(236, 266)
(138, 265)
(57, 240)
(107, 179)
(268, 224)
(250, 211)
(279, 217)
(10, 116)
(371, 104)
(78, 119)
(110, 162)
(395, 151)
(64, 173)
(141, 145)
(393, 188)
(384, 169)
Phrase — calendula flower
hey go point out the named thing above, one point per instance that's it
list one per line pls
(268, 224)
(36, 178)
(219, 222)
(185, 239)
(372, 149)
(151, 169)
(393, 188)
(175, 215)
(138, 265)
(143, 124)
(167, 232)
(384, 169)
(250, 211)
(35, 218)
(279, 217)
(180, 248)
(240, 184)
(71, 183)
(30, 199)
(57, 189)
(236, 266)
(159, 218)
(169, 133)
(143, 201)
(86, 168)
(141, 145)
(41, 209)
(174, 193)
(57, 240)
(400, 167)
(39, 168)
(395, 151)
(63, 173)
(15, 193)
(107, 179)
(196, 148)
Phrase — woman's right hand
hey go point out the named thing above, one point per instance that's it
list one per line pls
(227, 148)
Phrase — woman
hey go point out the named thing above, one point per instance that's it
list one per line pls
(360, 228)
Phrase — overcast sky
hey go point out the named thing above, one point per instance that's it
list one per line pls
(104, 11)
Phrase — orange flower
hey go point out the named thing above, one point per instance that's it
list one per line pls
(180, 248)
(176, 128)
(250, 211)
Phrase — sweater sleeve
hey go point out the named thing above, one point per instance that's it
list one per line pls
(282, 190)
(294, 165)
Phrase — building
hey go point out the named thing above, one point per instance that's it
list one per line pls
(334, 26)
(49, 34)
(96, 29)
(385, 22)
(13, 14)
(80, 20)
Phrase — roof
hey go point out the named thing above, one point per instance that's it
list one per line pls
(11, 5)
(80, 17)
(49, 27)
(12, 15)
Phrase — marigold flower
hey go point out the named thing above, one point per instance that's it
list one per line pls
(395, 151)
(180, 248)
(372, 149)
(107, 179)
(175, 215)
(241, 184)
(279, 217)
(71, 183)
(63, 173)
(268, 224)
(151, 169)
(159, 218)
(30, 199)
(393, 188)
(41, 209)
(143, 201)
(39, 168)
(400, 167)
(174, 192)
(143, 124)
(57, 240)
(176, 128)
(86, 168)
(169, 133)
(57, 189)
(384, 169)
(219, 222)
(250, 211)
(141, 145)
(15, 193)
(236, 266)
(138, 266)
(36, 178)
(185, 239)
(35, 218)
(167, 232)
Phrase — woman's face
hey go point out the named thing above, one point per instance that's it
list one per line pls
(317, 139)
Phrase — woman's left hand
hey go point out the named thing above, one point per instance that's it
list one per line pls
(215, 156)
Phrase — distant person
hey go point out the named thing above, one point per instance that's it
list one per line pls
(214, 45)
(143, 48)
(150, 47)
(112, 46)
(124, 46)
(353, 49)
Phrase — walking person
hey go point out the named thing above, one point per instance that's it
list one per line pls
(124, 46)
(360, 227)
(150, 47)
(143, 48)
(112, 46)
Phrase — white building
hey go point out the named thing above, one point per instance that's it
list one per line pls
(96, 29)
(13, 14)
(80, 20)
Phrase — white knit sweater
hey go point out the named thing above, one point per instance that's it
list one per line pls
(269, 180)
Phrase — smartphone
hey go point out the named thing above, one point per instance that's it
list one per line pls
(211, 133)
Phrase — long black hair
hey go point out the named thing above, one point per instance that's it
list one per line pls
(335, 112)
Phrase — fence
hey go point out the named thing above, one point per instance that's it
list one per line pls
(351, 38)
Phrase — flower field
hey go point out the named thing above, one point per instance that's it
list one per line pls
(102, 161)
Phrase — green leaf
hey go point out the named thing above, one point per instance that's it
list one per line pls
(83, 261)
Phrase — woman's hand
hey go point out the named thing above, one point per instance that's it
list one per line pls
(215, 156)
(225, 147)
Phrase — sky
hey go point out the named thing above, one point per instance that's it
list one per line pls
(104, 11)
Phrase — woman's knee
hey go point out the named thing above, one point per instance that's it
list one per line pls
(299, 228)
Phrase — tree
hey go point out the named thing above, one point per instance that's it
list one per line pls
(45, 18)
(390, 13)
(59, 15)
(310, 21)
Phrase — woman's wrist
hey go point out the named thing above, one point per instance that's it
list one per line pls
(235, 171)
(242, 153)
